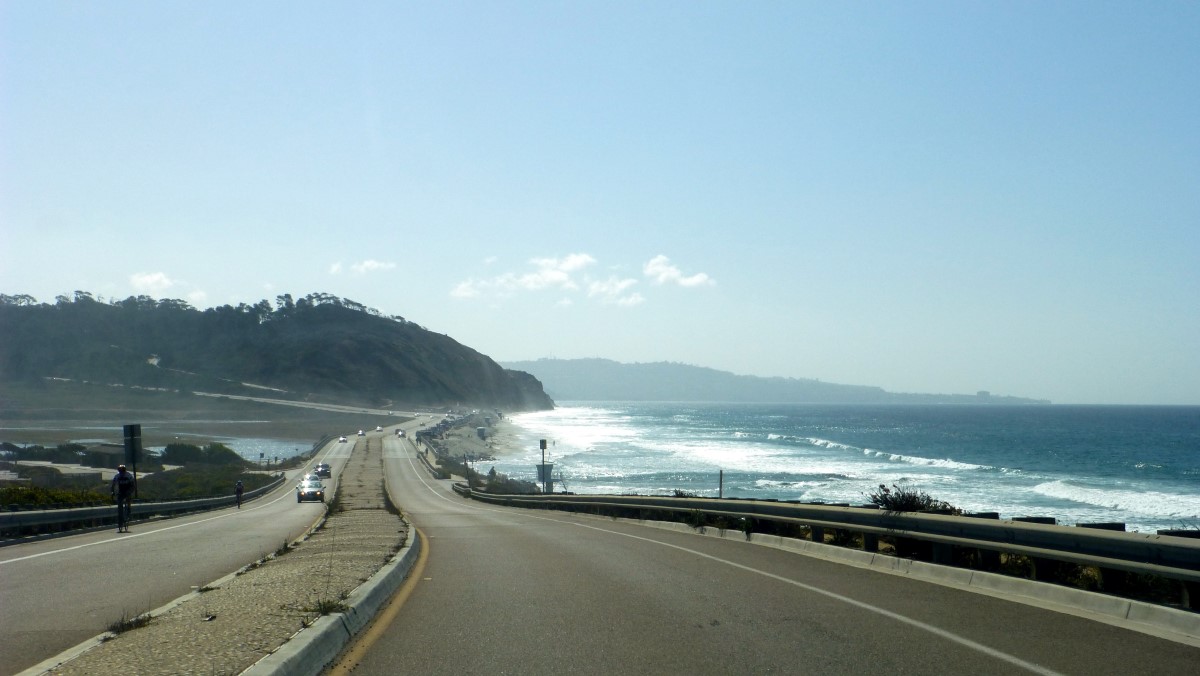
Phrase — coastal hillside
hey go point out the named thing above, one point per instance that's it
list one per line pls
(605, 380)
(318, 347)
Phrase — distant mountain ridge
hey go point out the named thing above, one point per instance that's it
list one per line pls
(315, 347)
(606, 380)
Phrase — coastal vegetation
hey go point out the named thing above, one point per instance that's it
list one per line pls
(315, 348)
(907, 499)
(180, 472)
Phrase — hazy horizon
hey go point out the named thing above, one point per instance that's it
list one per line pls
(932, 197)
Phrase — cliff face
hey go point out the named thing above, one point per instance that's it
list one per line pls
(317, 347)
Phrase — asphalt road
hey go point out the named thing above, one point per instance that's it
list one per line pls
(58, 593)
(513, 591)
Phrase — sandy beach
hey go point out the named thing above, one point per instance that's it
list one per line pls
(502, 440)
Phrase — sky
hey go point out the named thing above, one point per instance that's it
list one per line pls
(934, 197)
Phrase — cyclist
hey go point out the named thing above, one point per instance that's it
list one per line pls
(239, 488)
(122, 491)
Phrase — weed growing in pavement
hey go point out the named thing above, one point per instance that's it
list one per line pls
(284, 549)
(335, 504)
(327, 607)
(127, 623)
(250, 567)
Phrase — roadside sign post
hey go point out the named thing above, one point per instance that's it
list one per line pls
(544, 470)
(133, 450)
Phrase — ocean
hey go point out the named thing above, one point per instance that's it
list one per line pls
(1079, 464)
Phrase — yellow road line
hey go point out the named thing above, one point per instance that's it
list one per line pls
(351, 656)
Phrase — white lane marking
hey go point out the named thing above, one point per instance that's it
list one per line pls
(937, 631)
(117, 539)
(917, 624)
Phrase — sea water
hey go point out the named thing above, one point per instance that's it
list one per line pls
(1078, 464)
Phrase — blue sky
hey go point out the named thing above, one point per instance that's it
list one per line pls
(932, 197)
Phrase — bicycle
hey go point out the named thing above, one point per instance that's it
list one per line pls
(124, 513)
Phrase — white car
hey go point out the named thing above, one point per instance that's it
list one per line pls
(310, 489)
(362, 433)
(342, 440)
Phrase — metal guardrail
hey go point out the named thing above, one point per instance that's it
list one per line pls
(1176, 558)
(17, 520)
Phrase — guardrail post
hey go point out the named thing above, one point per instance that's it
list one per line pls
(1189, 596)
(989, 559)
(1043, 569)
(942, 553)
(870, 542)
(1111, 580)
(818, 534)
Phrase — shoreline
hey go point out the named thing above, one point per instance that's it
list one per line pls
(502, 441)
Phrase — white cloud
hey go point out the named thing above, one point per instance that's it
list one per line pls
(571, 263)
(467, 289)
(370, 266)
(552, 273)
(197, 298)
(631, 300)
(336, 268)
(548, 273)
(613, 290)
(660, 270)
(150, 283)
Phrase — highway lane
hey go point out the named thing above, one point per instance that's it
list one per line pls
(58, 593)
(520, 591)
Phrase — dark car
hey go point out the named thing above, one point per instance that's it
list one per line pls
(310, 490)
(323, 470)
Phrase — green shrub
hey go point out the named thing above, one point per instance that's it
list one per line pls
(198, 481)
(37, 496)
(902, 499)
(209, 454)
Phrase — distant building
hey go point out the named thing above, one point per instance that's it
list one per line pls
(983, 394)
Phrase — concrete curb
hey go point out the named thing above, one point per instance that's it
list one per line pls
(1171, 624)
(75, 651)
(310, 650)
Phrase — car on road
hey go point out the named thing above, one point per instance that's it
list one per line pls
(378, 428)
(323, 470)
(342, 440)
(311, 490)
(362, 433)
